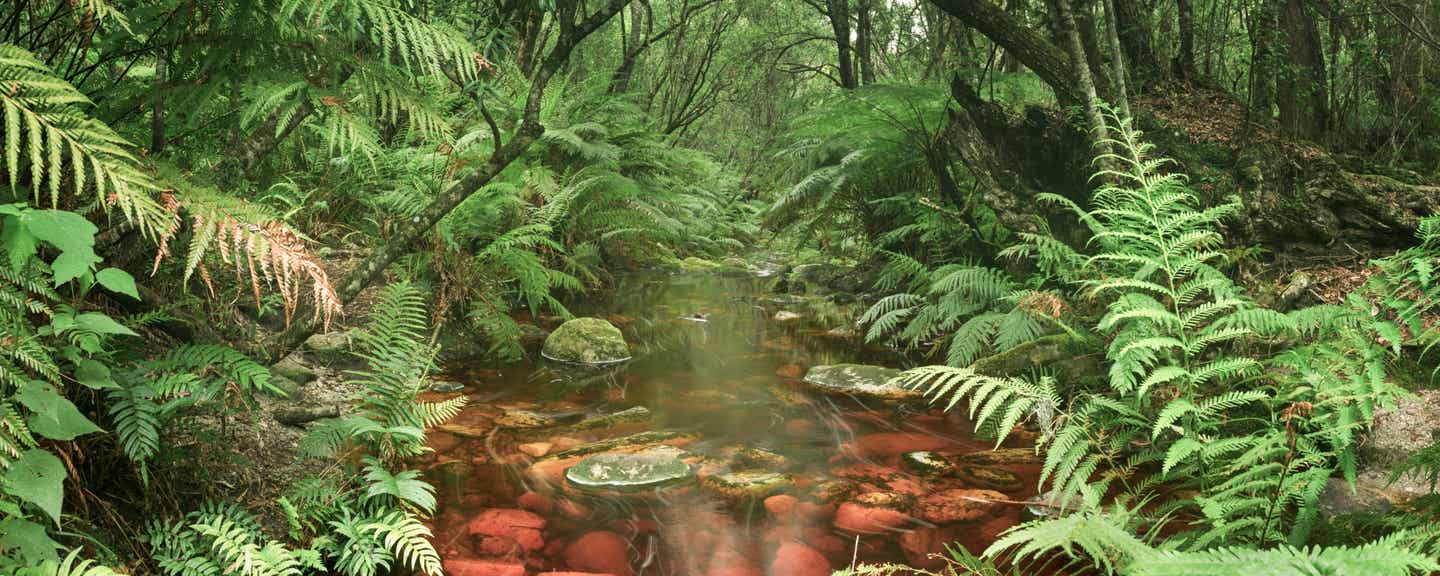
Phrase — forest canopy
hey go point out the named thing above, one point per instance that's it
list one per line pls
(382, 287)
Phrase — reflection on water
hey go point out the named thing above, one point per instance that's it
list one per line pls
(707, 455)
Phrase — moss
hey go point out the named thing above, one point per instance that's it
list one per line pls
(586, 341)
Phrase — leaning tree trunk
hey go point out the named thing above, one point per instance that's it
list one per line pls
(1094, 119)
(1122, 94)
(1025, 43)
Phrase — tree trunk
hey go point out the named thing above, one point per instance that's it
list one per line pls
(1303, 93)
(839, 12)
(1132, 20)
(1185, 60)
(529, 130)
(1122, 94)
(1025, 43)
(1264, 62)
(1093, 118)
(864, 39)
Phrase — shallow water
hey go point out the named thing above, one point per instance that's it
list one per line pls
(729, 383)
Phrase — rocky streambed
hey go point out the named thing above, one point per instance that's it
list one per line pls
(733, 444)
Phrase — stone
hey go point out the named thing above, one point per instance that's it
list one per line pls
(586, 341)
(599, 551)
(873, 513)
(746, 485)
(786, 316)
(1396, 433)
(532, 337)
(859, 380)
(510, 526)
(632, 415)
(1002, 457)
(886, 444)
(292, 389)
(697, 264)
(630, 473)
(959, 505)
(793, 371)
(330, 347)
(473, 567)
(291, 367)
(781, 507)
(446, 386)
(991, 478)
(535, 449)
(525, 420)
(925, 463)
(796, 559)
(536, 502)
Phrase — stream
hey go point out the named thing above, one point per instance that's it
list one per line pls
(708, 454)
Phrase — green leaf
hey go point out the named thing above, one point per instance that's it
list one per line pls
(118, 281)
(72, 264)
(52, 415)
(65, 230)
(17, 241)
(38, 477)
(102, 324)
(27, 540)
(94, 375)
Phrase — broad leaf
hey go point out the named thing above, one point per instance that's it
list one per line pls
(118, 281)
(53, 416)
(38, 477)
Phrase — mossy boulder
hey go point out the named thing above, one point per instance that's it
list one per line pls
(293, 368)
(586, 341)
(330, 347)
(613, 473)
(696, 264)
(859, 380)
(926, 463)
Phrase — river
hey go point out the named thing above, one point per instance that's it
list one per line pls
(776, 478)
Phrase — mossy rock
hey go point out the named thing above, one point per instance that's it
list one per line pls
(926, 463)
(330, 347)
(1002, 457)
(612, 473)
(292, 368)
(696, 264)
(990, 478)
(654, 437)
(747, 484)
(586, 341)
(860, 380)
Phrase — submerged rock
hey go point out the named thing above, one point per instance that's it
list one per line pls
(991, 478)
(860, 380)
(1001, 457)
(446, 386)
(601, 552)
(747, 484)
(874, 513)
(630, 473)
(586, 341)
(926, 463)
(786, 316)
(959, 505)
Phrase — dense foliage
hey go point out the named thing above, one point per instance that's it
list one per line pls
(192, 188)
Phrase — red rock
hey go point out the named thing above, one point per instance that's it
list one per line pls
(888, 444)
(796, 559)
(781, 507)
(835, 548)
(536, 502)
(520, 528)
(440, 441)
(800, 427)
(873, 513)
(535, 449)
(573, 574)
(600, 551)
(959, 505)
(730, 564)
(572, 509)
(791, 371)
(469, 567)
(924, 547)
(815, 512)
